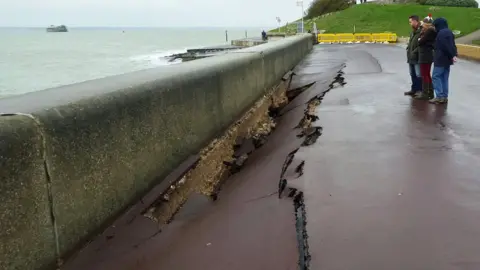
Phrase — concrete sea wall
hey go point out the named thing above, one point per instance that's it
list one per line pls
(74, 157)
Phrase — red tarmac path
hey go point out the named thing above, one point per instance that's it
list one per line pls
(391, 183)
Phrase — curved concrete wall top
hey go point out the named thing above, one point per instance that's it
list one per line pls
(107, 141)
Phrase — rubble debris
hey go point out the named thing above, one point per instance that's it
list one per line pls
(224, 156)
(288, 75)
(168, 186)
(259, 140)
(339, 81)
(277, 104)
(307, 120)
(288, 161)
(237, 164)
(293, 93)
(292, 192)
(312, 134)
(299, 168)
(294, 169)
(309, 131)
(243, 146)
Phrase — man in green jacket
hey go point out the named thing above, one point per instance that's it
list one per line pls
(412, 56)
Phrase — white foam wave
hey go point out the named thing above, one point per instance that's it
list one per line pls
(157, 58)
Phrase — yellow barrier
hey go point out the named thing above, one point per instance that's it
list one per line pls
(360, 37)
(380, 37)
(328, 38)
(345, 37)
(468, 51)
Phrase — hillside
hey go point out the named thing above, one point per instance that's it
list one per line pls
(369, 18)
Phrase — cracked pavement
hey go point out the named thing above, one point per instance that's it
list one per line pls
(381, 181)
(393, 183)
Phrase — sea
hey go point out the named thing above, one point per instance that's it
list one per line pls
(32, 59)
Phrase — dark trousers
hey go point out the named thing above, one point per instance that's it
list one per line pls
(416, 77)
(425, 72)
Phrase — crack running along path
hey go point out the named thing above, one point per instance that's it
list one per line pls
(394, 183)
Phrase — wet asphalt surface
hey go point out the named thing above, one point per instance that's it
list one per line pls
(394, 183)
(391, 183)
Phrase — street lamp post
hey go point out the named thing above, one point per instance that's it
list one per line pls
(279, 23)
(300, 3)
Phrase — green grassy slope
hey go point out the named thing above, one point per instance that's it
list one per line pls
(369, 18)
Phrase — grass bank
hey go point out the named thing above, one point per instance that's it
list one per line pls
(369, 18)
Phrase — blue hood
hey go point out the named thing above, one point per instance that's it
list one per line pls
(440, 24)
(445, 48)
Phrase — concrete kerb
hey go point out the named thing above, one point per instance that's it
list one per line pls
(27, 238)
(469, 52)
(465, 51)
(109, 140)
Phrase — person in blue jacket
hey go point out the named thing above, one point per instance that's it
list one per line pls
(444, 56)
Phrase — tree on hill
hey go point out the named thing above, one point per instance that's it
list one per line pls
(320, 7)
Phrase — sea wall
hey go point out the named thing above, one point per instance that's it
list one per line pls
(73, 157)
(26, 229)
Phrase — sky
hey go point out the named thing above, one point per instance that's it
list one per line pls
(148, 13)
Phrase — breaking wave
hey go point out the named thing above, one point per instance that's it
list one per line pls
(157, 58)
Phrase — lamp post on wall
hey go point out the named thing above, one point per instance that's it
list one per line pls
(279, 23)
(300, 4)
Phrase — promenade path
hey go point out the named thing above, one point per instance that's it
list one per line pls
(392, 183)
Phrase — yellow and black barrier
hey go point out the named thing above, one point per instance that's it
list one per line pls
(357, 38)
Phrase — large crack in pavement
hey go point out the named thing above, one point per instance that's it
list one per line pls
(230, 152)
(225, 156)
(290, 182)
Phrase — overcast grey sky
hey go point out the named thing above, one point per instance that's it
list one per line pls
(156, 13)
(163, 13)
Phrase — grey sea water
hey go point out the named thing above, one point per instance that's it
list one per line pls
(32, 59)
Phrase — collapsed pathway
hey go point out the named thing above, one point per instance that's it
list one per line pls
(355, 176)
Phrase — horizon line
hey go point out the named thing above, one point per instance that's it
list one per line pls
(126, 27)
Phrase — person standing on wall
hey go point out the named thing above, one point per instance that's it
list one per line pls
(444, 56)
(426, 44)
(412, 56)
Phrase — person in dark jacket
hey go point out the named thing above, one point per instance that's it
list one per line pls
(425, 57)
(445, 56)
(412, 56)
